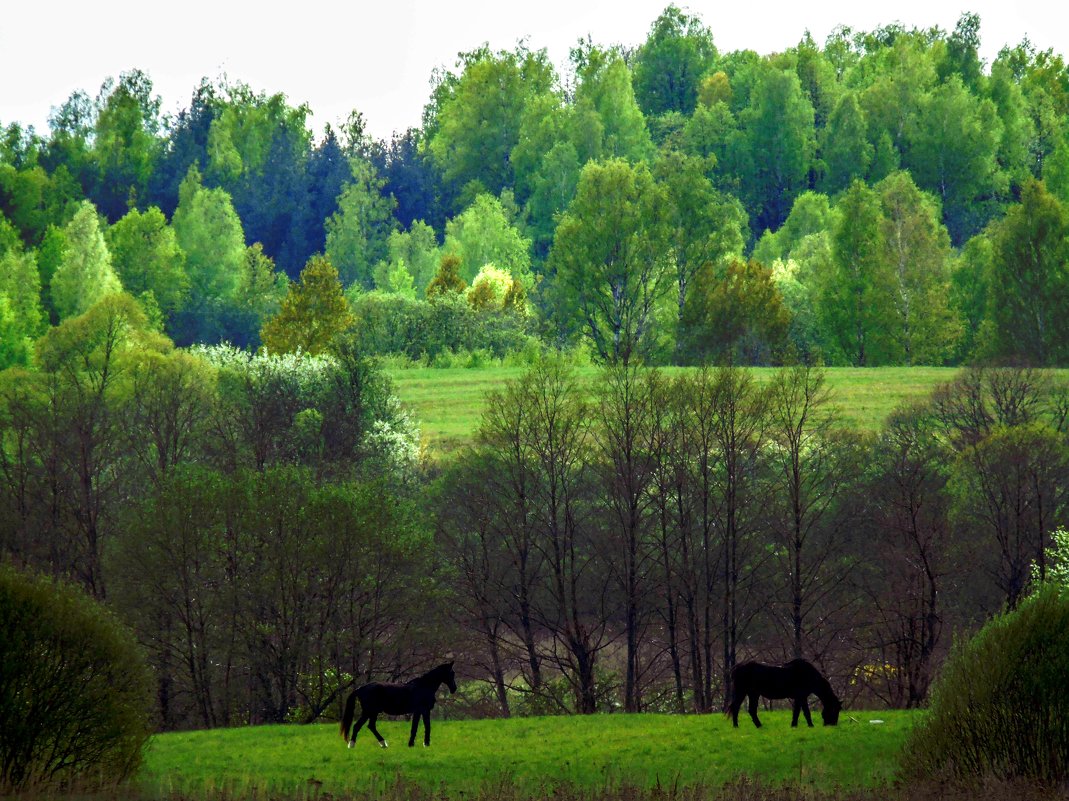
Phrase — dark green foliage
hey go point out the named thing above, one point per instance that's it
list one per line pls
(1000, 708)
(74, 700)
(1029, 283)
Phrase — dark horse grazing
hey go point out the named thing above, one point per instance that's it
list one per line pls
(414, 698)
(795, 680)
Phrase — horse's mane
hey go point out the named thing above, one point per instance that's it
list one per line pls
(825, 691)
(432, 674)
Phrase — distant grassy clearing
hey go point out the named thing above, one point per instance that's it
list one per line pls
(531, 753)
(448, 402)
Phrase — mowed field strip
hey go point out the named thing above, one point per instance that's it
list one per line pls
(448, 402)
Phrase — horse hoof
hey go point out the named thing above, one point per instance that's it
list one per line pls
(385, 744)
(350, 743)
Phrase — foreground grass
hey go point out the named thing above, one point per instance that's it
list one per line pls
(529, 755)
(448, 402)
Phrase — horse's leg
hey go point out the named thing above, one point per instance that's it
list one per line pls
(753, 710)
(796, 708)
(375, 731)
(426, 727)
(805, 708)
(736, 704)
(415, 728)
(356, 727)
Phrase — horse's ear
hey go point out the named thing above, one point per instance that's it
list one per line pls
(451, 662)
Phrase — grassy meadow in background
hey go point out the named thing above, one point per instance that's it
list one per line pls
(532, 755)
(448, 402)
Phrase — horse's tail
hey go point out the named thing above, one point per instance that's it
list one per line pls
(733, 695)
(347, 715)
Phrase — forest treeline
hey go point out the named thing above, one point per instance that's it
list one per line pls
(262, 516)
(266, 525)
(882, 198)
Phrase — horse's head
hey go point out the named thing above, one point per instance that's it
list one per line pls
(449, 677)
(830, 711)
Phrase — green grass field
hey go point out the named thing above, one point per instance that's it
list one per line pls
(532, 754)
(448, 402)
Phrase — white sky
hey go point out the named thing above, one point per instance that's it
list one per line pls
(377, 57)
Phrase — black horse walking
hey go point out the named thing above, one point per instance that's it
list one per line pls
(797, 680)
(414, 698)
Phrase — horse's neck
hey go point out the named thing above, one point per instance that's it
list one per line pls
(430, 681)
(824, 691)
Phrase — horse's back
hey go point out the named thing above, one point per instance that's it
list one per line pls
(771, 681)
(391, 699)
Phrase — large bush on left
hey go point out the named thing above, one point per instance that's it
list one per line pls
(74, 692)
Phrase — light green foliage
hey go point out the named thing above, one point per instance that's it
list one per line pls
(1056, 169)
(713, 132)
(209, 233)
(706, 226)
(479, 114)
(49, 256)
(818, 76)
(803, 332)
(952, 153)
(543, 127)
(33, 200)
(924, 328)
(126, 144)
(898, 77)
(260, 291)
(312, 315)
(87, 347)
(146, 256)
(611, 256)
(240, 135)
(418, 248)
(490, 288)
(15, 346)
(1018, 129)
(482, 235)
(1055, 568)
(811, 214)
(605, 106)
(552, 189)
(780, 140)
(678, 52)
(9, 236)
(854, 291)
(85, 274)
(358, 232)
(847, 152)
(20, 284)
(970, 277)
(393, 277)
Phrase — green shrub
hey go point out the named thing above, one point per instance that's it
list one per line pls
(1000, 708)
(421, 330)
(74, 697)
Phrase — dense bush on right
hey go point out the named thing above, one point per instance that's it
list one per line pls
(1000, 708)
